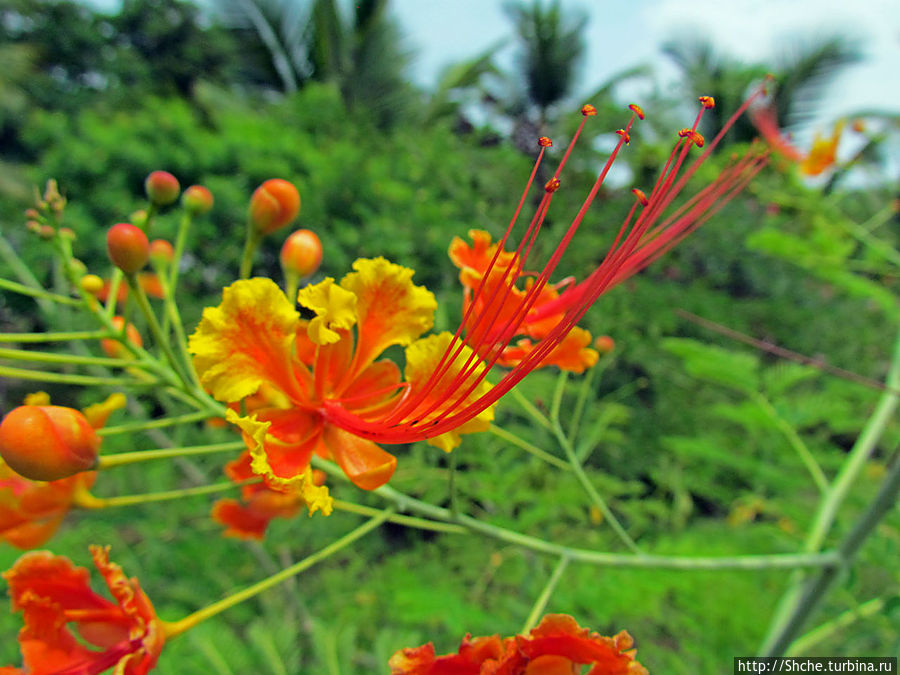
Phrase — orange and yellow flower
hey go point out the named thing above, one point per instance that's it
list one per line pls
(299, 381)
(558, 646)
(31, 511)
(52, 593)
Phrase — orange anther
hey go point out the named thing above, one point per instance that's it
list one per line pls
(637, 110)
(642, 198)
(625, 135)
(587, 110)
(545, 142)
(552, 185)
(697, 138)
(707, 102)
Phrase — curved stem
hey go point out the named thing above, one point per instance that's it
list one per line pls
(178, 627)
(541, 603)
(250, 244)
(41, 293)
(123, 458)
(74, 359)
(529, 447)
(86, 500)
(408, 521)
(66, 378)
(63, 336)
(154, 424)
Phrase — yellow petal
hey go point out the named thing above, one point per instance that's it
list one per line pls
(422, 360)
(37, 398)
(98, 413)
(335, 309)
(391, 309)
(315, 496)
(245, 341)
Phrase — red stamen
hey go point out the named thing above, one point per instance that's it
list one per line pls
(637, 110)
(545, 142)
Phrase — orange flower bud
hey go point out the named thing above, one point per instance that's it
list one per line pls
(273, 205)
(162, 188)
(128, 247)
(113, 348)
(604, 344)
(197, 200)
(161, 250)
(47, 442)
(301, 253)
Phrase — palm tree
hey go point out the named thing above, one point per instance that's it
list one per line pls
(552, 44)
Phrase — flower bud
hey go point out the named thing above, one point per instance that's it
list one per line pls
(273, 205)
(197, 200)
(128, 247)
(301, 253)
(47, 442)
(162, 188)
(113, 348)
(604, 344)
(91, 284)
(161, 250)
(139, 218)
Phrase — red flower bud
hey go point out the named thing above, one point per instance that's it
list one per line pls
(113, 348)
(197, 200)
(162, 250)
(47, 442)
(273, 205)
(604, 344)
(128, 247)
(162, 188)
(301, 253)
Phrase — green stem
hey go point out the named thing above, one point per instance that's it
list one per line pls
(816, 588)
(45, 357)
(55, 337)
(642, 560)
(828, 508)
(188, 622)
(123, 458)
(529, 448)
(160, 339)
(66, 378)
(451, 485)
(113, 297)
(578, 469)
(154, 424)
(22, 289)
(793, 438)
(408, 521)
(583, 391)
(829, 629)
(89, 501)
(250, 245)
(180, 239)
(531, 409)
(541, 603)
(9, 255)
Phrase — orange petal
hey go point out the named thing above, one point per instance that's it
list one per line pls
(572, 354)
(366, 464)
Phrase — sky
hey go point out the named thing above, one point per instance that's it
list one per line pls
(621, 35)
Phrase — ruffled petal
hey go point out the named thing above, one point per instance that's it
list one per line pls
(391, 309)
(335, 309)
(316, 497)
(245, 341)
(475, 260)
(364, 462)
(423, 358)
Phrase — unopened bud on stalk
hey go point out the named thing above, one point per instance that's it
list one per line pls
(47, 442)
(301, 253)
(162, 188)
(161, 251)
(197, 200)
(128, 247)
(138, 218)
(604, 344)
(273, 205)
(91, 284)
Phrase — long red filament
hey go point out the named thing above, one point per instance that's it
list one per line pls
(641, 239)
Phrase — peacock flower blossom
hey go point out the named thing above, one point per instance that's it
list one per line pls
(249, 517)
(294, 376)
(31, 511)
(51, 593)
(558, 646)
(822, 154)
(315, 386)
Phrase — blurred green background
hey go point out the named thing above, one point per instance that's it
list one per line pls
(679, 434)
